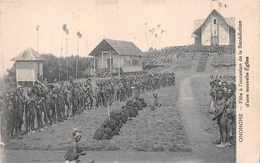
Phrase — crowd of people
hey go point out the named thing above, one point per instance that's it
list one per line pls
(31, 109)
(106, 73)
(223, 106)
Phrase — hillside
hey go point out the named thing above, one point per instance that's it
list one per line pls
(222, 61)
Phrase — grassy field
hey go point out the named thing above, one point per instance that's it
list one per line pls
(151, 131)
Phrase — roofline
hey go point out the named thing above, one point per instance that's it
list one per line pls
(112, 46)
(121, 55)
(13, 59)
(106, 39)
(28, 60)
(223, 18)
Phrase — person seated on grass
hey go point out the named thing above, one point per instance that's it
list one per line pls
(156, 100)
(73, 152)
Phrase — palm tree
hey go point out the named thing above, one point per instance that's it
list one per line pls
(67, 32)
(155, 37)
(37, 29)
(64, 29)
(162, 31)
(77, 59)
(146, 25)
(152, 32)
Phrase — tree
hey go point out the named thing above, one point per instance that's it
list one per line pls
(37, 29)
(67, 66)
(146, 25)
(51, 68)
(156, 35)
(10, 78)
(77, 60)
(162, 31)
(64, 30)
(152, 32)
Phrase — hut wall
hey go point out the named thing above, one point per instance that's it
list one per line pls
(205, 33)
(116, 60)
(132, 61)
(223, 33)
(219, 29)
(197, 40)
(25, 73)
(38, 68)
(232, 37)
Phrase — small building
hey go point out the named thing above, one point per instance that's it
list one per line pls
(29, 67)
(118, 54)
(214, 30)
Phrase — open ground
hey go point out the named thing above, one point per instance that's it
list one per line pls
(181, 130)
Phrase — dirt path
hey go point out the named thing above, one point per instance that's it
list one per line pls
(196, 125)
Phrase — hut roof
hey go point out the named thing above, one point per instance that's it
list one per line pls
(116, 46)
(230, 21)
(28, 55)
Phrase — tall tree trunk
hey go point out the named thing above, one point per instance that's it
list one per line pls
(77, 60)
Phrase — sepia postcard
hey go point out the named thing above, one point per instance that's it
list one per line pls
(130, 81)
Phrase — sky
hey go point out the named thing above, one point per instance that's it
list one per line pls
(98, 19)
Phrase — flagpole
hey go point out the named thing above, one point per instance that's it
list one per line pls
(218, 6)
(211, 6)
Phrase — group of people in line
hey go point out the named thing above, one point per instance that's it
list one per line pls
(223, 106)
(29, 109)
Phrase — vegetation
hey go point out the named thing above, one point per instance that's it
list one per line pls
(51, 69)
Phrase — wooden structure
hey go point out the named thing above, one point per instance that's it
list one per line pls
(214, 30)
(117, 54)
(29, 67)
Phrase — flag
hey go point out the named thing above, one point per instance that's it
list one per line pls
(219, 4)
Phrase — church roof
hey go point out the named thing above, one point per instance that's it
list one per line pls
(200, 22)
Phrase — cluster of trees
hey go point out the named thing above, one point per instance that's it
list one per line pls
(57, 68)
(155, 34)
(70, 67)
(65, 67)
